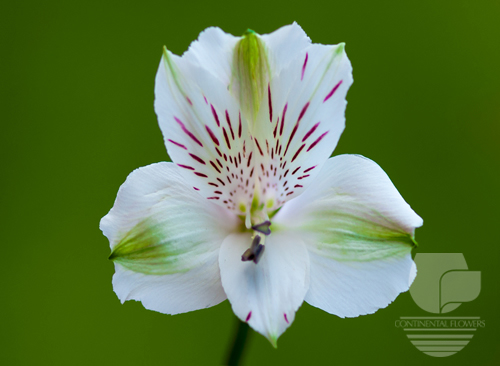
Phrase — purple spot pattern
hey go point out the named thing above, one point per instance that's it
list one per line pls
(219, 151)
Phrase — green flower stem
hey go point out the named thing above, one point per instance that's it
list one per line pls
(234, 356)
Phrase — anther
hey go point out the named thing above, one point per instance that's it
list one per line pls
(254, 253)
(263, 227)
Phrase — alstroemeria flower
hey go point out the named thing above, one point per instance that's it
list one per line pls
(252, 209)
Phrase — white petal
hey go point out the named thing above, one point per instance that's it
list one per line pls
(359, 232)
(165, 239)
(283, 44)
(266, 294)
(213, 51)
(350, 289)
(301, 122)
(196, 289)
(204, 132)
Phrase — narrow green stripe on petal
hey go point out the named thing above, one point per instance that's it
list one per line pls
(250, 73)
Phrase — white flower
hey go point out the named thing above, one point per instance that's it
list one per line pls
(252, 209)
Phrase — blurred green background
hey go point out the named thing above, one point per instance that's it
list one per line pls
(76, 84)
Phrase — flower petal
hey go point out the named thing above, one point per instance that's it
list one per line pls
(283, 44)
(266, 294)
(350, 289)
(165, 241)
(359, 232)
(213, 51)
(301, 122)
(204, 132)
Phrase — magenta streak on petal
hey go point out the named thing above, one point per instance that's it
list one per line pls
(286, 319)
(217, 192)
(239, 127)
(310, 132)
(283, 119)
(248, 316)
(176, 143)
(193, 137)
(304, 176)
(286, 173)
(270, 103)
(220, 164)
(291, 137)
(239, 158)
(229, 180)
(197, 189)
(213, 198)
(214, 184)
(276, 127)
(222, 182)
(229, 124)
(186, 166)
(231, 159)
(198, 159)
(295, 171)
(226, 138)
(309, 169)
(249, 159)
(297, 186)
(303, 111)
(215, 166)
(189, 100)
(258, 146)
(317, 140)
(206, 101)
(218, 152)
(215, 115)
(332, 91)
(289, 193)
(212, 136)
(297, 153)
(301, 78)
(251, 172)
(201, 175)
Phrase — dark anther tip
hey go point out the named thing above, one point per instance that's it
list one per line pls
(258, 253)
(263, 227)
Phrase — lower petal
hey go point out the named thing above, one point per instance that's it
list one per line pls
(165, 239)
(359, 233)
(266, 295)
(198, 288)
(350, 289)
